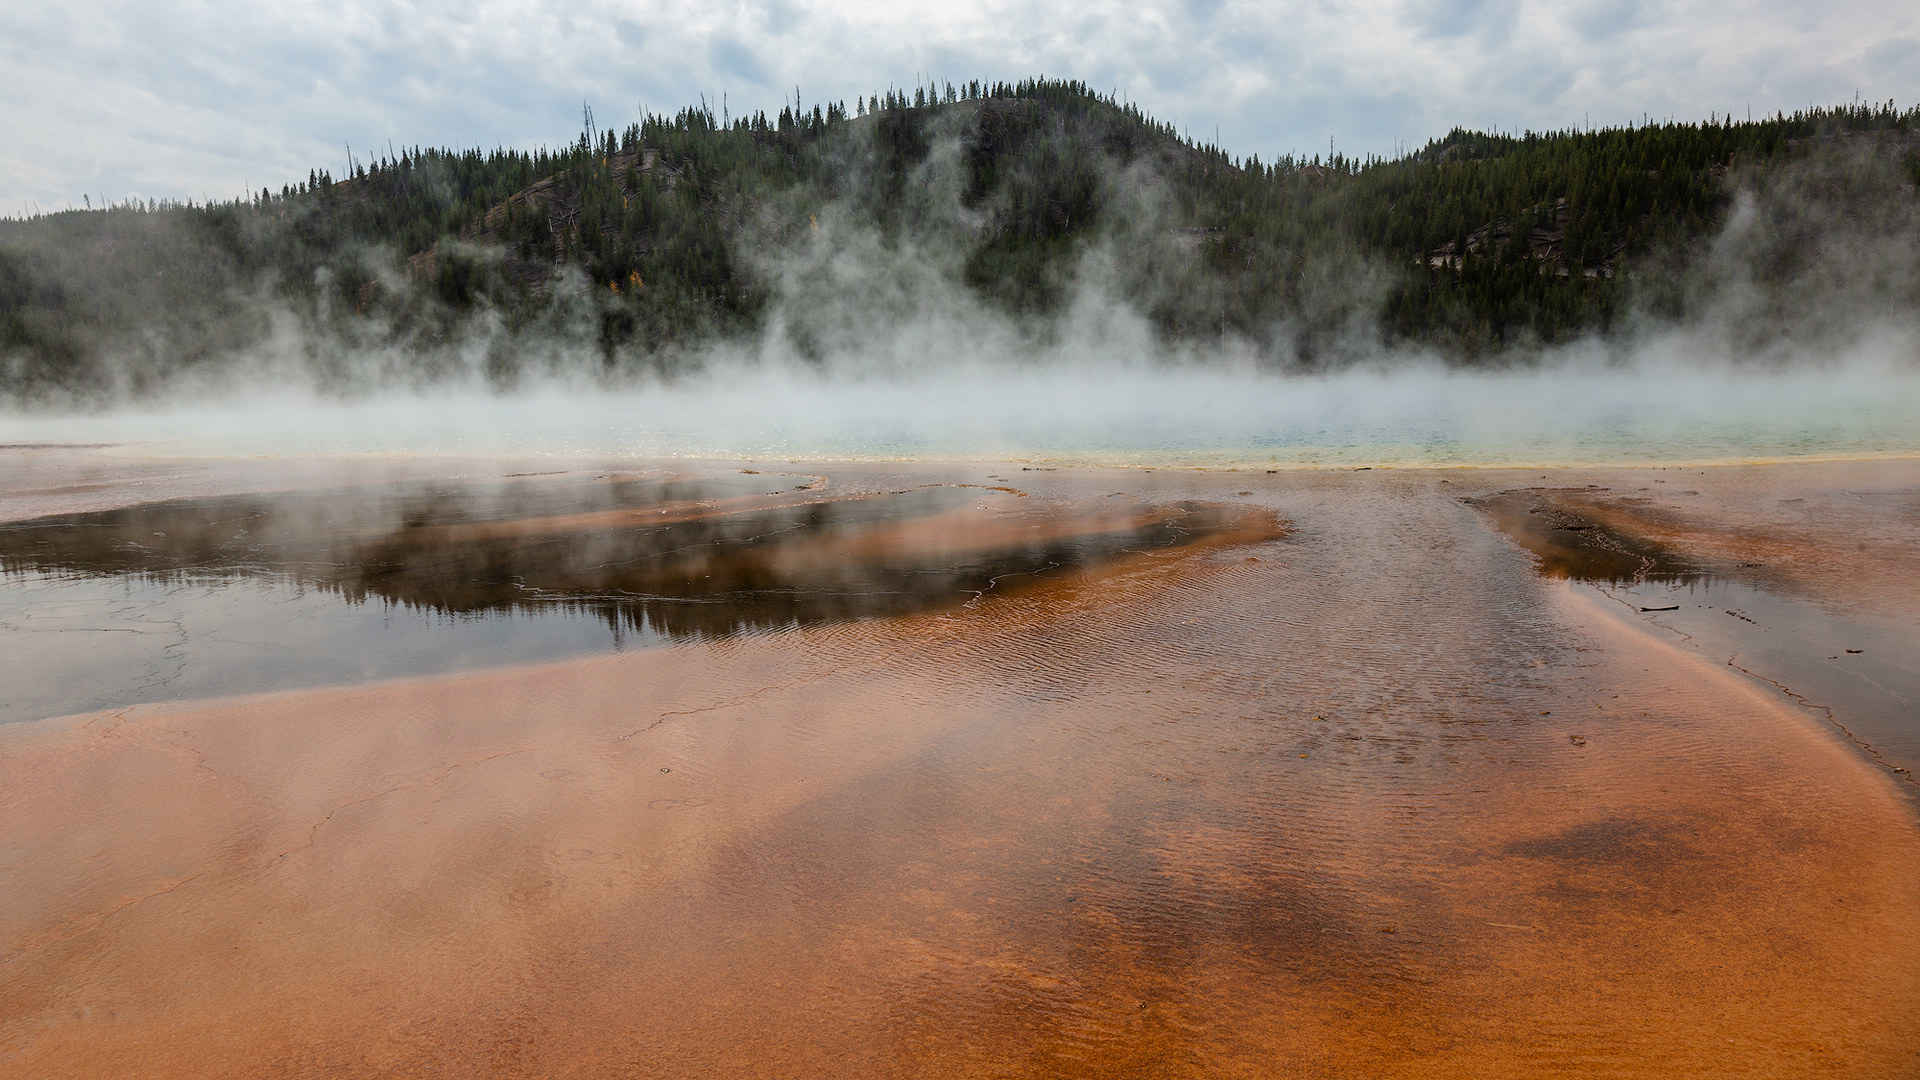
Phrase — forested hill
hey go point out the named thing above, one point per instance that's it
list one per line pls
(637, 248)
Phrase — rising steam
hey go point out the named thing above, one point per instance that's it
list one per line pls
(1800, 338)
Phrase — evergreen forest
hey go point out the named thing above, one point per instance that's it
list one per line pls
(634, 250)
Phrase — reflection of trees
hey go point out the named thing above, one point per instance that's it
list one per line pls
(1571, 546)
(707, 576)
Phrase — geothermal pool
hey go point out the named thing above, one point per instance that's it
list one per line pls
(1099, 417)
(187, 598)
(550, 765)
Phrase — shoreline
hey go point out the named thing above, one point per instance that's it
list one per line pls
(139, 452)
(572, 461)
(1371, 795)
(1825, 717)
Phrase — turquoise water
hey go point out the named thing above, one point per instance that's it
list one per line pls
(1200, 418)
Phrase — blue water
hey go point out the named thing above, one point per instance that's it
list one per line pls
(1160, 417)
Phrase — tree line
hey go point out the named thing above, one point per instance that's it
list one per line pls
(640, 244)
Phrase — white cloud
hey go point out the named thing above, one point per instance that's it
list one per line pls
(197, 99)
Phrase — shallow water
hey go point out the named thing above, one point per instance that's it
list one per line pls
(1858, 667)
(1570, 546)
(1861, 669)
(1365, 797)
(200, 597)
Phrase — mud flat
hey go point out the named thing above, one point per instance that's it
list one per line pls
(1340, 784)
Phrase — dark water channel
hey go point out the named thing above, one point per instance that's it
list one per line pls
(195, 598)
(1860, 669)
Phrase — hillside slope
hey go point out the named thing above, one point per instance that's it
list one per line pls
(640, 248)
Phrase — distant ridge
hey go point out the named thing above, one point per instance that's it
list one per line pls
(641, 246)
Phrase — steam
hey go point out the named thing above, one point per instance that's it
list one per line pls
(1096, 414)
(1802, 337)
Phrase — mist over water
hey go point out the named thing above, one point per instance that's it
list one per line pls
(936, 377)
(1078, 414)
(1796, 339)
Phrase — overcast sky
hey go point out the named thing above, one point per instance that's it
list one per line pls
(179, 99)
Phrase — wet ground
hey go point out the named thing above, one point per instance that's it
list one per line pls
(1364, 795)
(187, 598)
(1856, 663)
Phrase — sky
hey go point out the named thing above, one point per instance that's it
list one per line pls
(104, 99)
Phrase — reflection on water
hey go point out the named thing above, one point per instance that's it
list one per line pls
(1356, 804)
(1570, 546)
(1859, 668)
(197, 597)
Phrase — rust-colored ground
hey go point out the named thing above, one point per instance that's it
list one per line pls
(1369, 798)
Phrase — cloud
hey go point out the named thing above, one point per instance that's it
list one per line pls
(210, 98)
(735, 60)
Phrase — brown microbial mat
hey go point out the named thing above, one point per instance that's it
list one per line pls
(1851, 661)
(1363, 796)
(200, 597)
(1572, 546)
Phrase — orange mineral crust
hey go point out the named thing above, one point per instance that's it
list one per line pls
(1339, 785)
